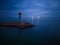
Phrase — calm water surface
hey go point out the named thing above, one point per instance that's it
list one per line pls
(46, 31)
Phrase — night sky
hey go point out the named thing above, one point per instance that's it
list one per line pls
(10, 8)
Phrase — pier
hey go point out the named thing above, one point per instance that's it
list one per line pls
(19, 24)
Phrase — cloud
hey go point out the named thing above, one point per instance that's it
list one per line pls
(18, 5)
(41, 12)
(31, 10)
(36, 4)
(40, 4)
(7, 11)
(46, 4)
(36, 12)
(53, 4)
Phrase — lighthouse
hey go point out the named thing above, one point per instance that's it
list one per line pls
(19, 14)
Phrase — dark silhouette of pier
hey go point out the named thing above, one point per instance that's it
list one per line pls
(18, 24)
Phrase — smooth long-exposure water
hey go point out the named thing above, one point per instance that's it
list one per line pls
(46, 31)
(43, 14)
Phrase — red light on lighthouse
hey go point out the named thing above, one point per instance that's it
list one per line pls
(19, 13)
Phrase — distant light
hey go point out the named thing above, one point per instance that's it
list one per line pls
(32, 17)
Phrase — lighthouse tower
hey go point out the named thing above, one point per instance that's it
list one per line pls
(19, 14)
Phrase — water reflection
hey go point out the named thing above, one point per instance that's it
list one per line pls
(20, 36)
(32, 19)
(35, 20)
(38, 20)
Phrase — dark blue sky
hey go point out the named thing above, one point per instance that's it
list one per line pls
(10, 8)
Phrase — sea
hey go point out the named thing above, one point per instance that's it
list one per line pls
(46, 31)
